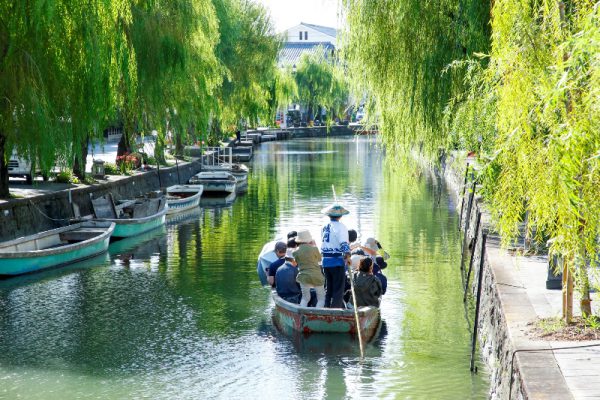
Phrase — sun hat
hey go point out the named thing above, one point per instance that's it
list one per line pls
(289, 254)
(304, 237)
(371, 244)
(335, 210)
(355, 260)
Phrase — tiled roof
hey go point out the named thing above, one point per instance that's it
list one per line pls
(323, 29)
(291, 53)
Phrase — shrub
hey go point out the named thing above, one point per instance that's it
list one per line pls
(111, 169)
(66, 176)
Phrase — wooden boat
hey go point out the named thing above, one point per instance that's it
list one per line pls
(55, 247)
(131, 217)
(289, 316)
(215, 181)
(183, 197)
(239, 171)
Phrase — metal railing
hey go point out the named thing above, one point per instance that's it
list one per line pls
(217, 156)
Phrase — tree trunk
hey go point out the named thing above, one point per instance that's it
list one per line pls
(159, 149)
(567, 293)
(79, 166)
(129, 129)
(4, 191)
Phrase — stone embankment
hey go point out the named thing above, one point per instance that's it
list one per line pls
(30, 215)
(520, 366)
(26, 216)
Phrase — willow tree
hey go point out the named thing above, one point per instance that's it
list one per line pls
(56, 83)
(548, 142)
(247, 52)
(532, 103)
(176, 69)
(397, 51)
(320, 84)
(284, 90)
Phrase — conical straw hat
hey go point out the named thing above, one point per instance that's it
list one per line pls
(335, 210)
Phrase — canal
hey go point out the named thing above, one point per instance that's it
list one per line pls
(179, 313)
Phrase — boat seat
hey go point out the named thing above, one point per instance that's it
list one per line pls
(104, 207)
(146, 208)
(80, 235)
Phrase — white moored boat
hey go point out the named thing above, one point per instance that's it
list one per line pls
(215, 181)
(239, 171)
(183, 197)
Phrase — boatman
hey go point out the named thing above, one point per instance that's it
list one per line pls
(336, 253)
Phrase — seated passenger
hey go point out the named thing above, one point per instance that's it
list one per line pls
(310, 275)
(285, 280)
(367, 288)
(280, 250)
(371, 248)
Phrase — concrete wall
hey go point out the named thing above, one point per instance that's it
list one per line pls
(22, 217)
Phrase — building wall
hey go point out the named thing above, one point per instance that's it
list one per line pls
(293, 35)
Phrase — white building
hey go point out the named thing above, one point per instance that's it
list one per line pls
(309, 33)
(307, 39)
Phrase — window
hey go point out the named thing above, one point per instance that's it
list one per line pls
(300, 35)
(305, 35)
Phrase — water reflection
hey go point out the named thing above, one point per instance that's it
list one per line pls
(179, 312)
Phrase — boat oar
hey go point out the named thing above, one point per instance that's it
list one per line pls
(360, 342)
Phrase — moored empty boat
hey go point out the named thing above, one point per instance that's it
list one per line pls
(55, 247)
(293, 317)
(183, 197)
(131, 217)
(215, 181)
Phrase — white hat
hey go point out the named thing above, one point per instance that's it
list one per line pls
(355, 260)
(289, 253)
(370, 244)
(335, 210)
(304, 237)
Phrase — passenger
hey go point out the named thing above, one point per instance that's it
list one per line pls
(371, 247)
(354, 262)
(291, 243)
(336, 254)
(280, 250)
(352, 237)
(285, 280)
(309, 272)
(367, 288)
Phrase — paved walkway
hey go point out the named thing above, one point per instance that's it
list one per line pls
(580, 367)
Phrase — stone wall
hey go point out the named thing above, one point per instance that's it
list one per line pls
(321, 131)
(505, 310)
(22, 217)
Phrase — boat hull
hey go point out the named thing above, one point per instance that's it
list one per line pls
(293, 317)
(218, 187)
(131, 227)
(179, 205)
(33, 261)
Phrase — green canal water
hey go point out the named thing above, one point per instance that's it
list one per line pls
(179, 313)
